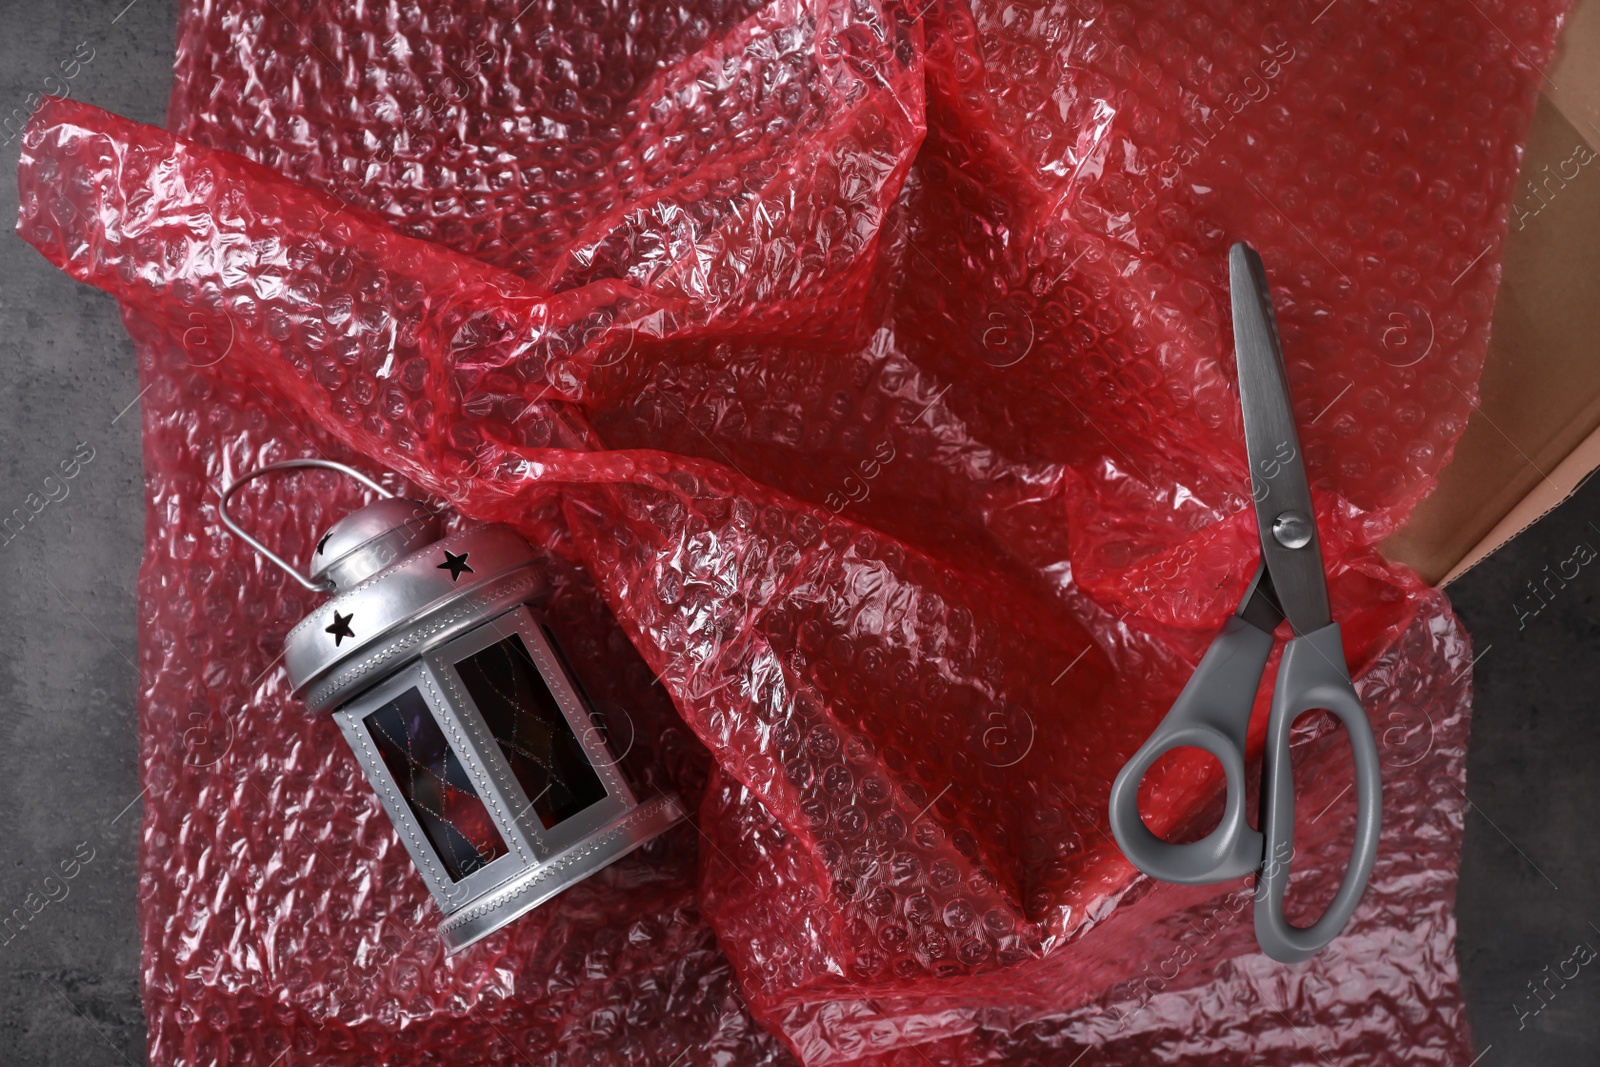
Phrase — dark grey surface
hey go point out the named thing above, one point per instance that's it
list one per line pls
(69, 779)
(68, 739)
(1530, 868)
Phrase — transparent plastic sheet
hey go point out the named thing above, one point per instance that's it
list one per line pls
(872, 367)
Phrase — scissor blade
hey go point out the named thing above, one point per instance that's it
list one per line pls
(1293, 554)
(1260, 607)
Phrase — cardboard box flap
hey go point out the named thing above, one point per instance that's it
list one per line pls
(1534, 436)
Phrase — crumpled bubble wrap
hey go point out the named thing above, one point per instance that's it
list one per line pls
(866, 372)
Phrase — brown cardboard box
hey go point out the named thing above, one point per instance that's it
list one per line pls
(1535, 435)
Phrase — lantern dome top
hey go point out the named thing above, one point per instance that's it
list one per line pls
(403, 604)
(370, 538)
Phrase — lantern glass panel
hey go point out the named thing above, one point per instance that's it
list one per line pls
(527, 723)
(435, 785)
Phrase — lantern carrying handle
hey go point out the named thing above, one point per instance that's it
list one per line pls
(323, 586)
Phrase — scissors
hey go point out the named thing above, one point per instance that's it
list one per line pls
(1213, 711)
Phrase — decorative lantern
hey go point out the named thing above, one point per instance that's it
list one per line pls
(435, 661)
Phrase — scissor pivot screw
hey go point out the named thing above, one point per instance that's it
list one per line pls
(1292, 530)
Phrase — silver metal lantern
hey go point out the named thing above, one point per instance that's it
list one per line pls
(434, 659)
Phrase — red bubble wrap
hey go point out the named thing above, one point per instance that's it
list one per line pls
(866, 372)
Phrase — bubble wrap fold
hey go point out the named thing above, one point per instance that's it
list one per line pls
(865, 372)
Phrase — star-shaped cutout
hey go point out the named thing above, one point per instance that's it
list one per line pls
(340, 628)
(322, 545)
(455, 564)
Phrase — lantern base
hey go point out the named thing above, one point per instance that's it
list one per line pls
(529, 888)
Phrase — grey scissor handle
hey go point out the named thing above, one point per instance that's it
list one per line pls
(1313, 675)
(1212, 713)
